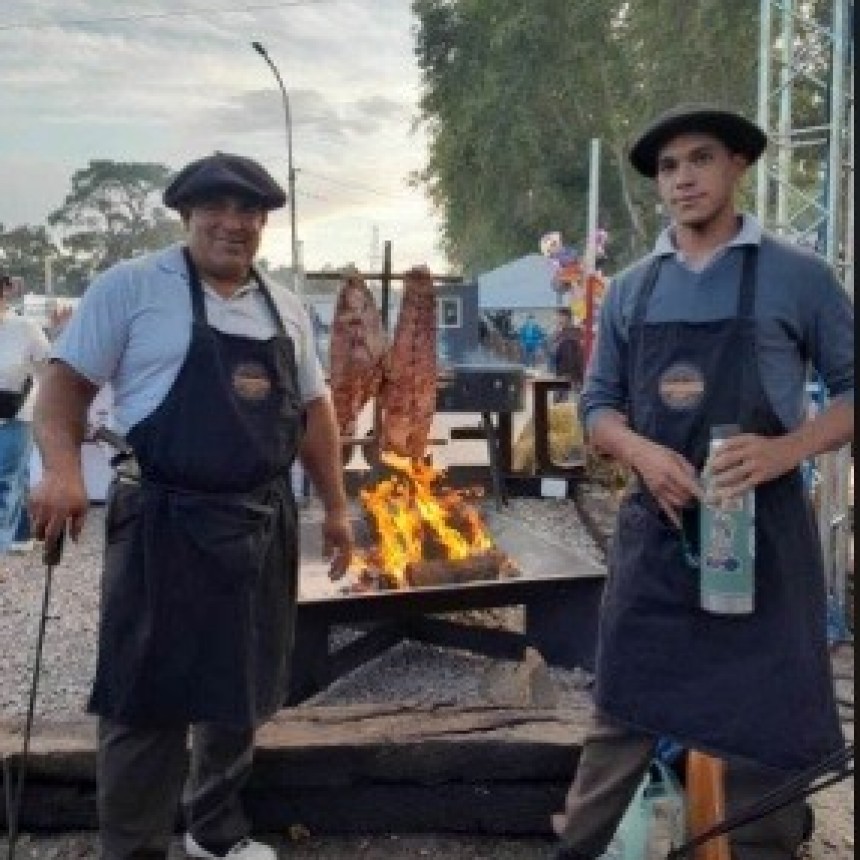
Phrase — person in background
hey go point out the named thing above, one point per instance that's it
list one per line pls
(718, 325)
(23, 541)
(216, 388)
(23, 349)
(566, 352)
(532, 340)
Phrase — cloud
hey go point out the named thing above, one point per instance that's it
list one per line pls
(90, 79)
(311, 111)
(32, 187)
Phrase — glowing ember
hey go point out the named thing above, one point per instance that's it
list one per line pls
(414, 520)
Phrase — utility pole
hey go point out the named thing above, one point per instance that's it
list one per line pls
(591, 244)
(291, 171)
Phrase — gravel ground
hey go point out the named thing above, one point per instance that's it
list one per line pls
(409, 671)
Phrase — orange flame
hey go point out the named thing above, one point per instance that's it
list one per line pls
(414, 520)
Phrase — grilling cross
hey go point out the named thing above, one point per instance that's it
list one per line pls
(423, 536)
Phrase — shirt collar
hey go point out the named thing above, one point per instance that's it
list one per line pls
(749, 234)
(171, 259)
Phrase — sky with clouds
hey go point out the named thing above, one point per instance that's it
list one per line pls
(169, 80)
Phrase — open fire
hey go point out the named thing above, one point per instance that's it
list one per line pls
(425, 534)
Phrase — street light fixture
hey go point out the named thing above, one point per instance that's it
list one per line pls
(291, 173)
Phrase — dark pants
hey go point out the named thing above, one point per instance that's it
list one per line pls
(140, 775)
(613, 761)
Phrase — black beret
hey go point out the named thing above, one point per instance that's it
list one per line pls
(735, 131)
(223, 173)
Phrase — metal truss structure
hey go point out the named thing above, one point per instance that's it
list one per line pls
(805, 191)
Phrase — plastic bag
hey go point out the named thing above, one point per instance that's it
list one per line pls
(655, 820)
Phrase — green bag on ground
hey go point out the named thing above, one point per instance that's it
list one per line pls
(655, 820)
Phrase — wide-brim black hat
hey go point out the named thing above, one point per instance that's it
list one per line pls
(738, 133)
(223, 173)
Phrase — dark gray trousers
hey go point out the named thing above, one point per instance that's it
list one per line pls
(614, 759)
(140, 774)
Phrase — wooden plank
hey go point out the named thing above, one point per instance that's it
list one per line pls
(359, 768)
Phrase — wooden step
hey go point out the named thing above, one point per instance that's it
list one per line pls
(393, 768)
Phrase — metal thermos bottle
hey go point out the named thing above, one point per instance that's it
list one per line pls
(727, 542)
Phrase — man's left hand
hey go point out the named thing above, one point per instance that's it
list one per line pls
(338, 542)
(745, 461)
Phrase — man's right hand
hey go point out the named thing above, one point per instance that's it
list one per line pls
(670, 477)
(58, 502)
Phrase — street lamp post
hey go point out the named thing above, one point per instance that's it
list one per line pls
(291, 172)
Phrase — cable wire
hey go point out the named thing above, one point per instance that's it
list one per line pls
(154, 16)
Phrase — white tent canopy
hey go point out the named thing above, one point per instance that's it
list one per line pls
(523, 284)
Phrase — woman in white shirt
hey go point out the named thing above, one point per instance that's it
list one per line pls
(23, 346)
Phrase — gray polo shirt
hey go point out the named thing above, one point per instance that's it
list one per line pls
(804, 318)
(132, 328)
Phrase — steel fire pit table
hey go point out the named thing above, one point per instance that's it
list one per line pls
(559, 585)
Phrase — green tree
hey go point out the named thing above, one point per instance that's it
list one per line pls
(23, 252)
(113, 212)
(514, 92)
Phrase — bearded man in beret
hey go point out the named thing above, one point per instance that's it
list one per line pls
(719, 325)
(217, 388)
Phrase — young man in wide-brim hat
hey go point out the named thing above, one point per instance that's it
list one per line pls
(718, 325)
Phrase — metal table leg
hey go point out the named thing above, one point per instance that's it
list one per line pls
(493, 450)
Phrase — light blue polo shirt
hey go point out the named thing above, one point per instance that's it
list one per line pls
(804, 318)
(133, 328)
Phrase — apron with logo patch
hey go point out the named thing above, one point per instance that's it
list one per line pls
(201, 555)
(757, 686)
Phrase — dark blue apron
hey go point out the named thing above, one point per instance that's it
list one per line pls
(201, 555)
(757, 686)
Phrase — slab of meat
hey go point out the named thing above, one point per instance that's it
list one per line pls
(357, 354)
(407, 398)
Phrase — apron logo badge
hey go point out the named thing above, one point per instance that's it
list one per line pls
(681, 386)
(251, 381)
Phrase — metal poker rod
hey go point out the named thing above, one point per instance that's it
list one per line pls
(51, 555)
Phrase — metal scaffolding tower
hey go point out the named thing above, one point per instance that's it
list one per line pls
(805, 191)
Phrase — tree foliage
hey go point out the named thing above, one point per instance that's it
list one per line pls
(112, 212)
(514, 92)
(23, 251)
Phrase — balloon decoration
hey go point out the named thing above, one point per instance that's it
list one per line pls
(566, 264)
(569, 276)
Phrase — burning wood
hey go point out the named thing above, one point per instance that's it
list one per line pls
(477, 568)
(425, 535)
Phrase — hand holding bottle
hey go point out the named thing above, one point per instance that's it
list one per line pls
(740, 463)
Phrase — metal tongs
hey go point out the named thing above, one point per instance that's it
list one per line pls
(124, 461)
(52, 552)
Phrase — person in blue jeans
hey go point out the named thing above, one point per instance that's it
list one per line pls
(15, 444)
(532, 339)
(23, 541)
(23, 346)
